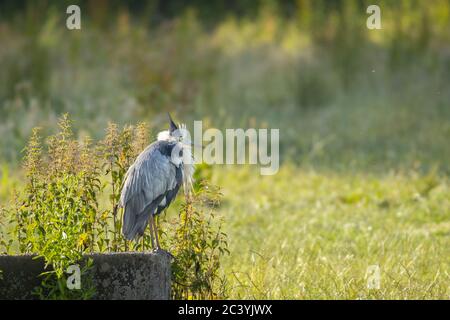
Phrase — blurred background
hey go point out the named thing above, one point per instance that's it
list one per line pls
(342, 94)
(364, 121)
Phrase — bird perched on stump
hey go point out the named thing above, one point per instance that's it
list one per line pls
(154, 179)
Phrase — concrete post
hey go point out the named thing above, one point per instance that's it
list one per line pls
(117, 276)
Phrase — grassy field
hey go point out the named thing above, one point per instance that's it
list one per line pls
(364, 121)
(306, 234)
(374, 190)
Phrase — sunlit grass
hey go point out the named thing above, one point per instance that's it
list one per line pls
(307, 234)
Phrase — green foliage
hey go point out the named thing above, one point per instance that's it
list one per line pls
(56, 215)
(198, 245)
(117, 157)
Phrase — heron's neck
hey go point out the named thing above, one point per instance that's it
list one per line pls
(165, 136)
(187, 168)
(186, 161)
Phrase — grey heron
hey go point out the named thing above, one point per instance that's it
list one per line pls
(154, 179)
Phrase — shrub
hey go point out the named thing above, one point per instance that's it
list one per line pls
(197, 242)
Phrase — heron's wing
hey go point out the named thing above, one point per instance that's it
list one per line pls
(147, 182)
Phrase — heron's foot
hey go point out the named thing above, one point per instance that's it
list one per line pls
(159, 250)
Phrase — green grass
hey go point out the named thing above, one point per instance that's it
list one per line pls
(312, 235)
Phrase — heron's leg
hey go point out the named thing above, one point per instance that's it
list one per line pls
(156, 234)
(151, 231)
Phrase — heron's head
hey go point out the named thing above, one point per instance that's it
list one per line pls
(175, 133)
